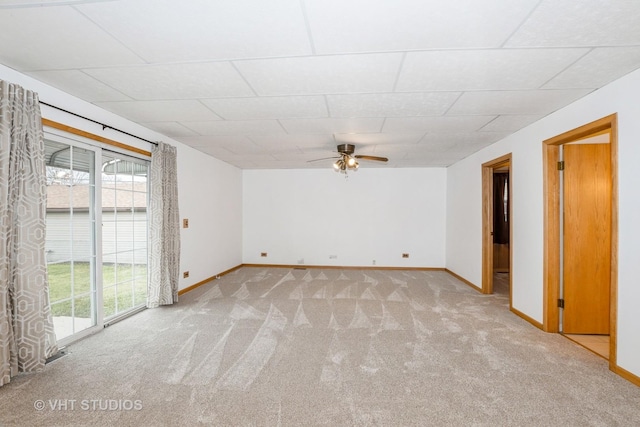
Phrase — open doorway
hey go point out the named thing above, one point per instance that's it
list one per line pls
(496, 226)
(572, 279)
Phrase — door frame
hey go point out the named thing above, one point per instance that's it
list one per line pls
(551, 224)
(488, 169)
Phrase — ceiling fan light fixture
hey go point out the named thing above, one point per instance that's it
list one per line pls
(340, 165)
(346, 160)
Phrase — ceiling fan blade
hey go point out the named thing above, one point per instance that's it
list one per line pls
(324, 158)
(376, 158)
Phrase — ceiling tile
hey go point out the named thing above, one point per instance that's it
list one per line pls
(322, 74)
(510, 123)
(559, 23)
(237, 127)
(50, 40)
(300, 141)
(172, 129)
(79, 84)
(599, 67)
(175, 81)
(291, 156)
(200, 30)
(280, 107)
(331, 125)
(226, 146)
(391, 104)
(160, 111)
(483, 69)
(340, 26)
(460, 139)
(378, 138)
(316, 157)
(412, 155)
(534, 102)
(244, 147)
(213, 140)
(435, 124)
(219, 153)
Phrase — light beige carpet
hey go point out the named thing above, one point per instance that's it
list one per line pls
(270, 347)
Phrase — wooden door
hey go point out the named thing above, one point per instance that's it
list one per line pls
(587, 238)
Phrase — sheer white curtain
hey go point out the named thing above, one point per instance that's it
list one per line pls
(164, 227)
(27, 338)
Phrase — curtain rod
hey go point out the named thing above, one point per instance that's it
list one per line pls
(97, 122)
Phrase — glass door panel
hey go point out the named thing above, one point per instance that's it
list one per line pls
(124, 233)
(70, 243)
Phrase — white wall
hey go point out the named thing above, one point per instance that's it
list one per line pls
(374, 214)
(464, 228)
(210, 191)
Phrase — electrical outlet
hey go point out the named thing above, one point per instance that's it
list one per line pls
(185, 223)
(185, 274)
(263, 254)
(333, 256)
(405, 255)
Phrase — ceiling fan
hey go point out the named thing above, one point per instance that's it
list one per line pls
(347, 160)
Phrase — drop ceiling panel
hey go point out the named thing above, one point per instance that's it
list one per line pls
(220, 153)
(299, 141)
(483, 69)
(379, 138)
(234, 127)
(160, 111)
(599, 67)
(174, 81)
(280, 107)
(561, 23)
(391, 104)
(172, 129)
(435, 124)
(460, 139)
(79, 84)
(322, 74)
(213, 140)
(330, 125)
(340, 26)
(510, 123)
(291, 156)
(200, 30)
(47, 38)
(535, 102)
(243, 147)
(400, 152)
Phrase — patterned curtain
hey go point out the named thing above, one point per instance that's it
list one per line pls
(164, 227)
(27, 338)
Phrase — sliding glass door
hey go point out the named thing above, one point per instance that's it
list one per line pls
(96, 241)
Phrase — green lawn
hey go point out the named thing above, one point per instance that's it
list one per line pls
(124, 287)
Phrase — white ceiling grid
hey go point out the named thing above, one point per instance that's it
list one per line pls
(274, 84)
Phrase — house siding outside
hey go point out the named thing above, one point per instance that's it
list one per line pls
(124, 223)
